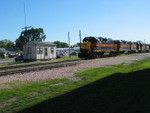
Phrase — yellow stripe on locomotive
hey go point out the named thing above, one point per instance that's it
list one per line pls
(86, 46)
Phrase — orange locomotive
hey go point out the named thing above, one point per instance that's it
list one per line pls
(93, 47)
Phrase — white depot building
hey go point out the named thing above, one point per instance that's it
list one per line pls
(39, 51)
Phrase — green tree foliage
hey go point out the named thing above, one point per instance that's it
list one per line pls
(33, 34)
(76, 45)
(20, 42)
(61, 44)
(6, 44)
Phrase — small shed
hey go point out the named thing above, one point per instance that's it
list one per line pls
(34, 50)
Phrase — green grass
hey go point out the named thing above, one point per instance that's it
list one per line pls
(99, 73)
(54, 60)
(5, 58)
(28, 93)
(19, 95)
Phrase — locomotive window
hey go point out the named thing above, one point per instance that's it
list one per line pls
(85, 40)
(93, 40)
(90, 39)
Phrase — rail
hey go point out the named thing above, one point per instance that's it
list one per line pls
(7, 70)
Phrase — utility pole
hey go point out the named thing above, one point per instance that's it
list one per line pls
(80, 38)
(69, 43)
(25, 19)
(144, 45)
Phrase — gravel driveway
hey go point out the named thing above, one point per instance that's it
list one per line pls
(68, 72)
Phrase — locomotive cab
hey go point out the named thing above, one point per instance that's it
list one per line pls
(86, 47)
(94, 47)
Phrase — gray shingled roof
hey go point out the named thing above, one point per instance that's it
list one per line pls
(41, 43)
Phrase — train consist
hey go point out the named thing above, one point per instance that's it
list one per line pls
(94, 47)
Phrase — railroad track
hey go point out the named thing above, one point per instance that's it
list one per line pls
(7, 70)
(23, 68)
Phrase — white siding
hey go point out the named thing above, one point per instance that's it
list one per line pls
(40, 55)
(29, 55)
(36, 55)
(50, 54)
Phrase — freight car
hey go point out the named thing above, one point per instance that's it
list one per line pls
(94, 47)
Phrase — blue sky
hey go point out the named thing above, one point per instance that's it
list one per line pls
(116, 19)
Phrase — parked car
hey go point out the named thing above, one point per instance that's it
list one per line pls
(12, 55)
(61, 55)
(74, 53)
(19, 58)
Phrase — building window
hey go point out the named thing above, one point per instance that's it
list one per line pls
(29, 50)
(39, 50)
(45, 51)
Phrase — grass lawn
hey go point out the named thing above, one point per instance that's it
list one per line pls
(61, 59)
(119, 89)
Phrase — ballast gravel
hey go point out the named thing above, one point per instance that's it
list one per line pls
(68, 72)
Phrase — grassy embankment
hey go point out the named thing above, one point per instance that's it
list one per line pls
(121, 88)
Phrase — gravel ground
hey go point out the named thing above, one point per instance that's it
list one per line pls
(68, 72)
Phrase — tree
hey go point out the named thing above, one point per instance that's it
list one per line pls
(6, 44)
(20, 42)
(33, 34)
(76, 45)
(61, 44)
(58, 44)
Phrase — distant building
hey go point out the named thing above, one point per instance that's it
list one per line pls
(3, 52)
(12, 53)
(65, 51)
(39, 50)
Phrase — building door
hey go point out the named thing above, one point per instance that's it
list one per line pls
(45, 53)
(29, 53)
(52, 52)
